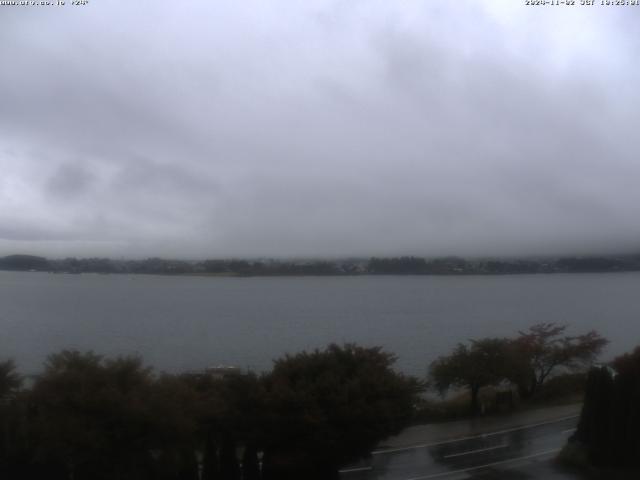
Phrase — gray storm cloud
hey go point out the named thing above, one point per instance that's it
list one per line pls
(202, 128)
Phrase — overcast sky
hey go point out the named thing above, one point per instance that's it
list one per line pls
(319, 128)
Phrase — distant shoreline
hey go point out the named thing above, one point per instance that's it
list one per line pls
(415, 266)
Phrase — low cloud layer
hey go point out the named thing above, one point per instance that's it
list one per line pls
(200, 129)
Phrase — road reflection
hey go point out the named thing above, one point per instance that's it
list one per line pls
(482, 454)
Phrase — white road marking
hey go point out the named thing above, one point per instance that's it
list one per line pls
(461, 439)
(355, 469)
(453, 455)
(568, 430)
(492, 464)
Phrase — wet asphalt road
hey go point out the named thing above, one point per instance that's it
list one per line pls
(514, 453)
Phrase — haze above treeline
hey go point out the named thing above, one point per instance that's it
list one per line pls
(407, 265)
(318, 128)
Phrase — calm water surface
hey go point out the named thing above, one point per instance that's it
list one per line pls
(190, 322)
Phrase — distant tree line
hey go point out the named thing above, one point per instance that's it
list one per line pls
(455, 265)
(374, 266)
(160, 266)
(90, 417)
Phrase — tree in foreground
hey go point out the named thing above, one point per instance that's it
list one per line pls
(97, 418)
(543, 349)
(526, 361)
(479, 364)
(10, 380)
(610, 420)
(229, 415)
(330, 407)
(12, 438)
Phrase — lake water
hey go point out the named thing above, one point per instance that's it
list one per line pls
(180, 323)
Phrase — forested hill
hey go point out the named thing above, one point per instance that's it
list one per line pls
(24, 262)
(374, 266)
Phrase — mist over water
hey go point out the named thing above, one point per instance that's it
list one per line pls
(180, 323)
